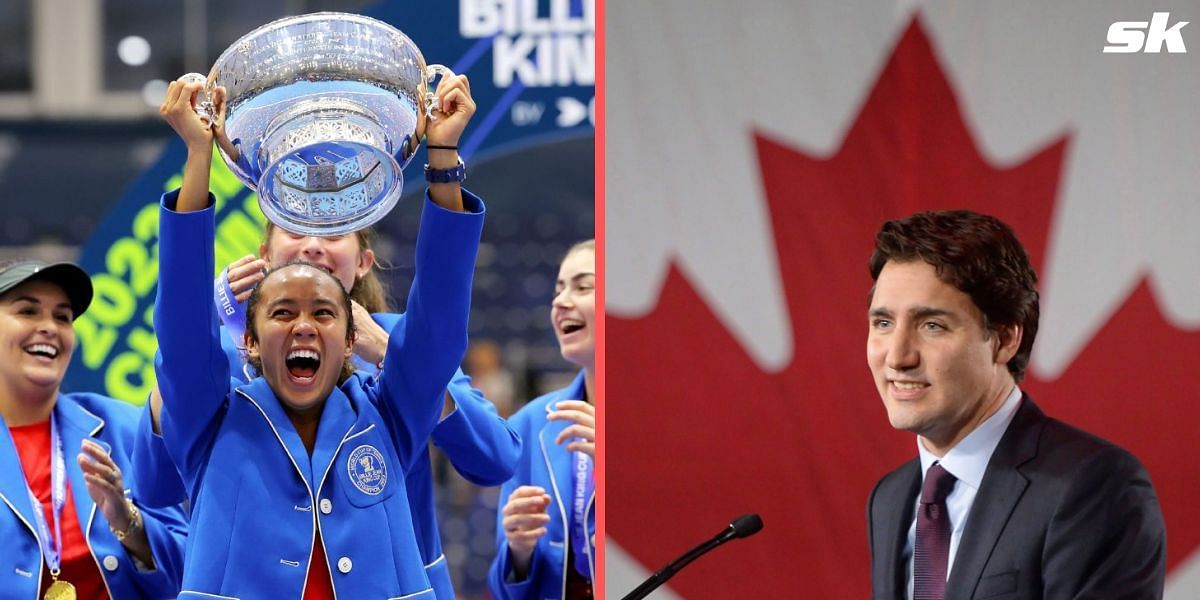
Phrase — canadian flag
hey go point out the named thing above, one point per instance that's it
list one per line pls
(753, 149)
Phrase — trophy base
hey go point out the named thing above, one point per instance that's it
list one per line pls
(330, 170)
(330, 188)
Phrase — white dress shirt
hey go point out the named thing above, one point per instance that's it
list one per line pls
(967, 461)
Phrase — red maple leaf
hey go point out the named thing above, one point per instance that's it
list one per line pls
(699, 433)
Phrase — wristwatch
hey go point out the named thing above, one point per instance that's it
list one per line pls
(454, 174)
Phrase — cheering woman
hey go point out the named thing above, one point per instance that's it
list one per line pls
(546, 545)
(476, 440)
(295, 478)
(67, 527)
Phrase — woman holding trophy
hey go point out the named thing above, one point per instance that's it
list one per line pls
(294, 476)
(479, 443)
(474, 438)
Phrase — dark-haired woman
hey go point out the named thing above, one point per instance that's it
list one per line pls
(296, 478)
(545, 532)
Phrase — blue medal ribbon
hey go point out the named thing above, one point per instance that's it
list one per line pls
(583, 486)
(52, 548)
(232, 312)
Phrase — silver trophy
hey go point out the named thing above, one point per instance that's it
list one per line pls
(324, 109)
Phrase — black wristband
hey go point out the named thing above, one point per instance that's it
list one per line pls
(432, 147)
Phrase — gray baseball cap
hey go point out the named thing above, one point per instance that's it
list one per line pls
(74, 281)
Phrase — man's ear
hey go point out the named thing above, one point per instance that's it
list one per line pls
(350, 344)
(1008, 341)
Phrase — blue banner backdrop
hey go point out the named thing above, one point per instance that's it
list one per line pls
(532, 71)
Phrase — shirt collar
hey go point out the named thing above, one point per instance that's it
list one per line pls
(967, 461)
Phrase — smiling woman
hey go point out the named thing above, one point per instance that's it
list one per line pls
(545, 533)
(52, 529)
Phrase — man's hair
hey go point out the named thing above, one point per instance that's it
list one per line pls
(256, 299)
(977, 254)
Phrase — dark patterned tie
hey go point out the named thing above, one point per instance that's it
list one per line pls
(932, 551)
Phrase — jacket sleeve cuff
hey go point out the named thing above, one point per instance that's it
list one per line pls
(521, 588)
(171, 199)
(472, 204)
(480, 445)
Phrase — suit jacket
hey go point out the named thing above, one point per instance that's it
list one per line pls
(111, 424)
(1060, 513)
(547, 465)
(259, 497)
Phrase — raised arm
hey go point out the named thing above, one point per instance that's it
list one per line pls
(442, 135)
(426, 347)
(193, 372)
(177, 110)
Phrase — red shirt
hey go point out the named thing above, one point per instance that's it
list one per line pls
(78, 566)
(578, 588)
(320, 584)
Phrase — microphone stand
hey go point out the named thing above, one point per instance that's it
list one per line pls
(742, 526)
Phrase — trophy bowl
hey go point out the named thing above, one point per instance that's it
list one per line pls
(324, 109)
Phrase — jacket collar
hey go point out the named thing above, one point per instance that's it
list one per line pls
(337, 420)
(14, 492)
(576, 391)
(890, 567)
(75, 424)
(1003, 485)
(560, 470)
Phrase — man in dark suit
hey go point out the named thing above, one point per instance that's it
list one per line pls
(1001, 501)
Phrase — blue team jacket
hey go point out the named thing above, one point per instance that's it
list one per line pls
(477, 441)
(548, 465)
(111, 424)
(257, 496)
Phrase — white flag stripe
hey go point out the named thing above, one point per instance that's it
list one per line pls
(695, 81)
(622, 573)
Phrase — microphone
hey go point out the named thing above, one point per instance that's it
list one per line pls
(743, 526)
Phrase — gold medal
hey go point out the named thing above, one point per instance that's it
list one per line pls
(60, 590)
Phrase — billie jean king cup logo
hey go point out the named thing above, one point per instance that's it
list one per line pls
(367, 470)
(326, 110)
